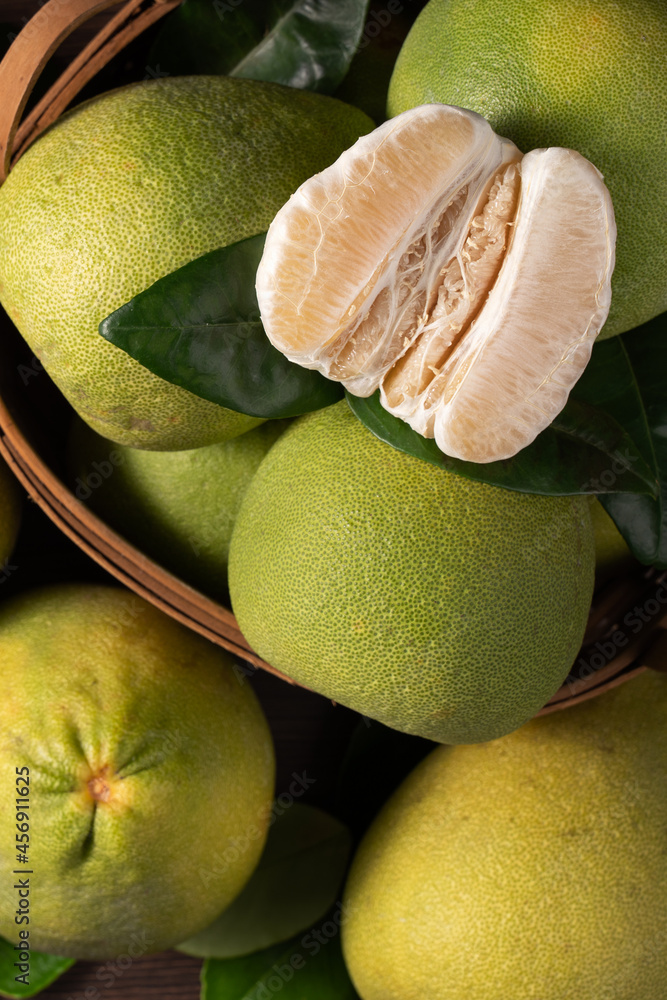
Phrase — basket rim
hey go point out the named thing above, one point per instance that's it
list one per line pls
(115, 554)
(24, 61)
(147, 578)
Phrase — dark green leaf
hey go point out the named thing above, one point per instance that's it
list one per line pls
(43, 970)
(309, 967)
(300, 43)
(298, 877)
(199, 328)
(630, 380)
(569, 457)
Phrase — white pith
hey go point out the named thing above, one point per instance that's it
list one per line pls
(474, 299)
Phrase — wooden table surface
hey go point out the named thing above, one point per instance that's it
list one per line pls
(166, 975)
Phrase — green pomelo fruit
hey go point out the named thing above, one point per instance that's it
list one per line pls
(148, 766)
(10, 513)
(612, 555)
(532, 868)
(177, 506)
(439, 606)
(585, 74)
(128, 187)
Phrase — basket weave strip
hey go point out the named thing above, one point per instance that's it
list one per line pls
(34, 46)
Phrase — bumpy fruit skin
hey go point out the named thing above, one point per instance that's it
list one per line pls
(532, 866)
(151, 773)
(127, 188)
(442, 607)
(585, 74)
(177, 506)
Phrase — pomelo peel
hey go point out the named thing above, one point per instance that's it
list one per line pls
(435, 262)
(126, 188)
(482, 875)
(178, 507)
(151, 772)
(437, 605)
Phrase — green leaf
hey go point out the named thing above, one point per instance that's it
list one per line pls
(630, 381)
(569, 457)
(44, 969)
(301, 43)
(611, 440)
(309, 967)
(296, 882)
(199, 328)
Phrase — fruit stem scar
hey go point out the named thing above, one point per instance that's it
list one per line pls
(99, 786)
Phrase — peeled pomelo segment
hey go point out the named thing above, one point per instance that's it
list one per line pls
(513, 369)
(454, 301)
(437, 262)
(349, 260)
(409, 300)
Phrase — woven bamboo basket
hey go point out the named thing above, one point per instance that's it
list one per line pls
(627, 625)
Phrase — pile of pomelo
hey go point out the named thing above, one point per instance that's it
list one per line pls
(456, 263)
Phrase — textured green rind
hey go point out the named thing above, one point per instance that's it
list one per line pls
(442, 607)
(127, 188)
(177, 506)
(94, 676)
(531, 867)
(585, 74)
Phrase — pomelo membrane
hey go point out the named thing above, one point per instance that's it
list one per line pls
(435, 262)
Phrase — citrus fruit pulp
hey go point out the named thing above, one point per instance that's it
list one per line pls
(436, 262)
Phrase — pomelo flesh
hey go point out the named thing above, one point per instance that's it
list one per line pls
(435, 262)
(588, 75)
